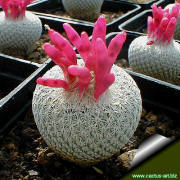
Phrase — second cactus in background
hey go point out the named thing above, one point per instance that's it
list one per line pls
(83, 9)
(177, 30)
(19, 29)
(157, 54)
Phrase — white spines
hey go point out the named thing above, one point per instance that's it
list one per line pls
(159, 60)
(18, 36)
(83, 9)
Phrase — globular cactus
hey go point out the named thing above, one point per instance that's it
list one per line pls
(90, 115)
(19, 29)
(177, 30)
(83, 9)
(157, 54)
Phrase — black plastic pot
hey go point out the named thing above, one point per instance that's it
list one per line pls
(56, 23)
(156, 94)
(128, 9)
(138, 23)
(164, 3)
(43, 2)
(17, 80)
(147, 5)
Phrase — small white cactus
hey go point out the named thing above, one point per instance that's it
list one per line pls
(157, 54)
(177, 30)
(83, 9)
(19, 29)
(77, 126)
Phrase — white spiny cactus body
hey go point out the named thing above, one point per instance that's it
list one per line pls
(158, 60)
(177, 30)
(157, 54)
(83, 9)
(17, 36)
(86, 109)
(84, 130)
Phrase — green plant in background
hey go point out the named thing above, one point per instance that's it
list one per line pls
(83, 9)
(86, 109)
(19, 29)
(157, 54)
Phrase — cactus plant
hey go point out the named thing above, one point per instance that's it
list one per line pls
(19, 29)
(157, 54)
(177, 30)
(83, 9)
(90, 115)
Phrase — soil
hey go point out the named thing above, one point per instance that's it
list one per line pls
(24, 154)
(144, 30)
(110, 16)
(123, 63)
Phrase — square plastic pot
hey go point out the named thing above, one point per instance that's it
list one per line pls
(54, 22)
(137, 24)
(128, 9)
(17, 78)
(155, 93)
